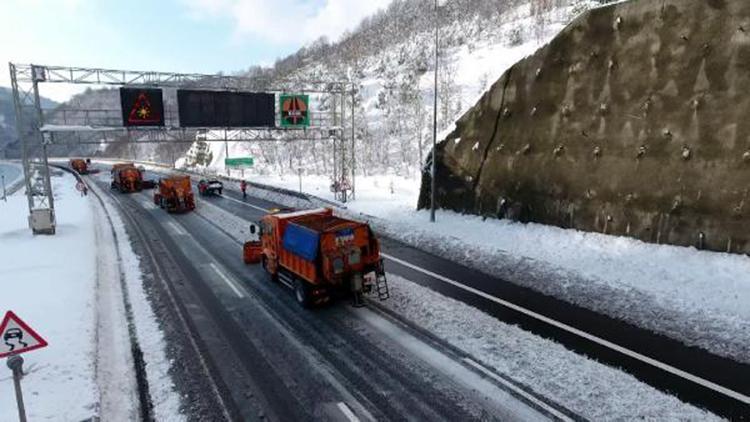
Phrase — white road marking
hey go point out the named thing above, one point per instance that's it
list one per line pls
(244, 203)
(347, 412)
(608, 344)
(146, 203)
(176, 228)
(529, 397)
(227, 280)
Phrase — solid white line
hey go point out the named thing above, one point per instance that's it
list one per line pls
(347, 412)
(608, 344)
(227, 280)
(529, 397)
(176, 228)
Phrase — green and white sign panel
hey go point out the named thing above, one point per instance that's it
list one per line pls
(295, 110)
(240, 162)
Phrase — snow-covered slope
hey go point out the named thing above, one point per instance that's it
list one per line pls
(395, 81)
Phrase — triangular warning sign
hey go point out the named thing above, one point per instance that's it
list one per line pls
(142, 112)
(17, 337)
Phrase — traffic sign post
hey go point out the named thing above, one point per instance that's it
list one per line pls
(17, 337)
(15, 363)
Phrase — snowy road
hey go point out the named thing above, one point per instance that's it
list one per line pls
(268, 356)
(695, 375)
(11, 174)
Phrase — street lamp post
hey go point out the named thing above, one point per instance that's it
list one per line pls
(434, 118)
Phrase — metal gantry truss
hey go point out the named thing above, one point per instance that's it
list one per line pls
(29, 118)
(95, 76)
(67, 126)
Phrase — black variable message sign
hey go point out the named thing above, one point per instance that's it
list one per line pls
(142, 107)
(225, 109)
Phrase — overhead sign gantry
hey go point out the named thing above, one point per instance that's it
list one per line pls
(214, 108)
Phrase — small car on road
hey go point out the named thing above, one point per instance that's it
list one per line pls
(210, 187)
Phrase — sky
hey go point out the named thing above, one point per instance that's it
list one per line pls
(191, 36)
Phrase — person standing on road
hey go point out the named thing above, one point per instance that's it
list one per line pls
(243, 188)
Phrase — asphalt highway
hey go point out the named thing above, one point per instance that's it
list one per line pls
(264, 357)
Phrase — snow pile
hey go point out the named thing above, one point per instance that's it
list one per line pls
(67, 286)
(49, 281)
(165, 399)
(697, 297)
(588, 388)
(376, 195)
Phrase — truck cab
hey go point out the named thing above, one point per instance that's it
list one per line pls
(79, 165)
(126, 178)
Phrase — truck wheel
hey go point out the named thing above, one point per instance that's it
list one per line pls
(302, 293)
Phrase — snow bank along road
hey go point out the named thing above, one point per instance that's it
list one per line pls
(694, 375)
(247, 351)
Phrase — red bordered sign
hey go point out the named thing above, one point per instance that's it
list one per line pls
(17, 337)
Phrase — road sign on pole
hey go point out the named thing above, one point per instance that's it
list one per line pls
(17, 337)
(295, 110)
(240, 162)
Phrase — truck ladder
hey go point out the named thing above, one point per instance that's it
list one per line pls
(381, 283)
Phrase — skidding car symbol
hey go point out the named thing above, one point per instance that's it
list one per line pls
(14, 333)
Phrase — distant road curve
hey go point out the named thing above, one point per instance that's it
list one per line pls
(13, 174)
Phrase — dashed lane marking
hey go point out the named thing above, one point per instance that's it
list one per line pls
(347, 412)
(176, 228)
(226, 279)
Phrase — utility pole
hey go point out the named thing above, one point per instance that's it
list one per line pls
(434, 118)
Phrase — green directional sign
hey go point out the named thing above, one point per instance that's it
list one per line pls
(295, 110)
(239, 162)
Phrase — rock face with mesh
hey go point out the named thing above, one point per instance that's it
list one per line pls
(632, 121)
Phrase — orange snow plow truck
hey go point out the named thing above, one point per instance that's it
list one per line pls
(79, 165)
(175, 194)
(126, 178)
(319, 255)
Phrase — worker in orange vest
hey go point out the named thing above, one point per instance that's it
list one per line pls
(243, 188)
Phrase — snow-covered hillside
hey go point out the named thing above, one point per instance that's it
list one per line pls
(479, 41)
